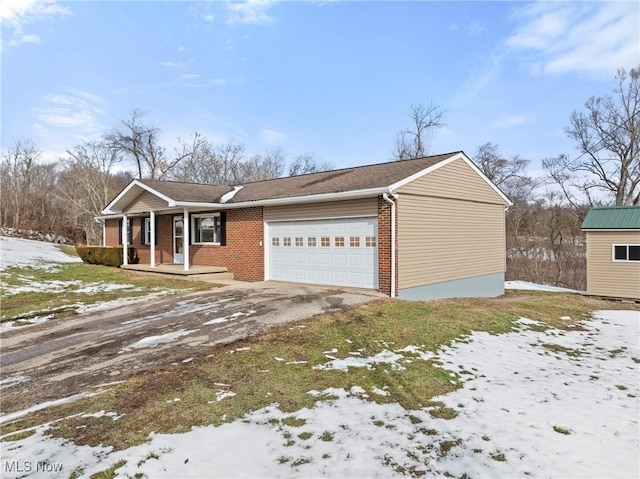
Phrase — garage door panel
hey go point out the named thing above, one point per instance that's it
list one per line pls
(324, 251)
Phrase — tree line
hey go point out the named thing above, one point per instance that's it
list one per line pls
(63, 197)
(544, 241)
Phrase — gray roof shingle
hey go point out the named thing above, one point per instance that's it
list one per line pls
(347, 179)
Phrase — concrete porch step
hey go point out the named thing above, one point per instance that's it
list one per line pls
(177, 271)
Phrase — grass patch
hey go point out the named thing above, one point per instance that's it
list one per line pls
(294, 421)
(146, 401)
(562, 430)
(65, 279)
(109, 473)
(498, 456)
(18, 436)
(326, 436)
(574, 353)
(440, 411)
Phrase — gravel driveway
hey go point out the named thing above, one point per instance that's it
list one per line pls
(71, 355)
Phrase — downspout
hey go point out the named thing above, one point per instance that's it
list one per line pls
(393, 240)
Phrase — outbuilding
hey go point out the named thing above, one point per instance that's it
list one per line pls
(426, 228)
(613, 251)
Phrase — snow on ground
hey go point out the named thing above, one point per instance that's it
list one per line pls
(534, 402)
(526, 285)
(24, 253)
(152, 341)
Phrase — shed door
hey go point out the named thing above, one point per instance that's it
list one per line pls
(341, 252)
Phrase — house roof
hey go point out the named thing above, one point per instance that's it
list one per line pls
(360, 181)
(612, 218)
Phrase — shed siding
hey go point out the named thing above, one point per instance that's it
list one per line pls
(316, 211)
(606, 277)
(146, 201)
(442, 239)
(455, 180)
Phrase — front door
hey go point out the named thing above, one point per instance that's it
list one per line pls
(178, 239)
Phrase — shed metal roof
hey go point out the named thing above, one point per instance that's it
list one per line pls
(612, 218)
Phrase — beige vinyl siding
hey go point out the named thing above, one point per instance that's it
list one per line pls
(442, 239)
(607, 277)
(316, 211)
(455, 180)
(146, 201)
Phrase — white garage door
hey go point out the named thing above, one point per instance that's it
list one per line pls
(339, 251)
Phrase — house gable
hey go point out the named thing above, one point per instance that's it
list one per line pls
(146, 201)
(455, 179)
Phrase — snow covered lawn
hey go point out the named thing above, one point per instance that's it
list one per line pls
(534, 402)
(39, 281)
(18, 252)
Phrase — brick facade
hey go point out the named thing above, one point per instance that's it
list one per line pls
(243, 253)
(384, 246)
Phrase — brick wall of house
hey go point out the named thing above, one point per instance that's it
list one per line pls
(384, 246)
(111, 232)
(243, 254)
(164, 248)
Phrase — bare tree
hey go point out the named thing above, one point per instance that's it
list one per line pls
(308, 163)
(508, 174)
(140, 144)
(18, 164)
(607, 135)
(87, 183)
(412, 142)
(266, 166)
(227, 163)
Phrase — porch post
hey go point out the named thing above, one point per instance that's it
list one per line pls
(125, 239)
(152, 232)
(185, 239)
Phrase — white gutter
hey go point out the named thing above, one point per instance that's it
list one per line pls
(289, 200)
(393, 240)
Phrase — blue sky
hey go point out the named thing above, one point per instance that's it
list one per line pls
(331, 78)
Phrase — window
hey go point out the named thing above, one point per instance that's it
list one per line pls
(627, 252)
(299, 241)
(354, 241)
(311, 241)
(129, 231)
(206, 229)
(286, 242)
(370, 241)
(338, 241)
(325, 241)
(147, 231)
(275, 241)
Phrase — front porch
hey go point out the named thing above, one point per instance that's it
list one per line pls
(177, 271)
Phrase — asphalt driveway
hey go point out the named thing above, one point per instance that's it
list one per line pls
(67, 356)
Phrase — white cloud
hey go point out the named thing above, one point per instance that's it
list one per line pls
(250, 11)
(480, 77)
(588, 37)
(189, 76)
(472, 28)
(79, 110)
(271, 137)
(509, 121)
(15, 14)
(168, 64)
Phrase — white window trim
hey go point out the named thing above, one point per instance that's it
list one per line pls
(613, 254)
(147, 231)
(193, 228)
